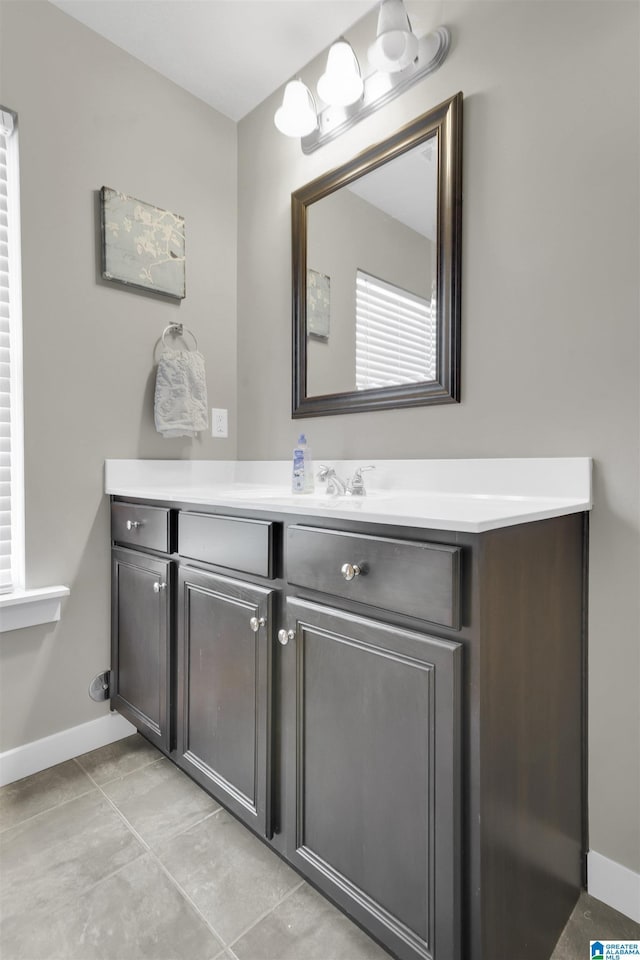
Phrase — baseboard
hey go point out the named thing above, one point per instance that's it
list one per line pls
(41, 754)
(614, 884)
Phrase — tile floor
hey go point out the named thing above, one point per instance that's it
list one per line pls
(118, 855)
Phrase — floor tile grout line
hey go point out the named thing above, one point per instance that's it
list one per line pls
(190, 826)
(266, 913)
(183, 893)
(56, 806)
(177, 883)
(89, 888)
(122, 776)
(129, 825)
(149, 850)
(92, 886)
(146, 850)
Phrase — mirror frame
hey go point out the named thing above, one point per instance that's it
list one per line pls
(444, 120)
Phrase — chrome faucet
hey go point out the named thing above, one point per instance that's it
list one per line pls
(355, 486)
(335, 485)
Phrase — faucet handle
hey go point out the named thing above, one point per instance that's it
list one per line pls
(324, 472)
(356, 484)
(360, 470)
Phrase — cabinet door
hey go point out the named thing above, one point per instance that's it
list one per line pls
(140, 642)
(376, 775)
(224, 691)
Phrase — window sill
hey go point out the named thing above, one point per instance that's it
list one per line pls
(27, 608)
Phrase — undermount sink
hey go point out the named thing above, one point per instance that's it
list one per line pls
(322, 499)
(328, 498)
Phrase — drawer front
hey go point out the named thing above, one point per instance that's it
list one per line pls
(231, 542)
(413, 578)
(141, 526)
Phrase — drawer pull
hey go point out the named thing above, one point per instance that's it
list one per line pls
(285, 635)
(256, 623)
(133, 524)
(350, 570)
(159, 585)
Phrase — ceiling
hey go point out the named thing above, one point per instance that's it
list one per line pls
(230, 53)
(406, 188)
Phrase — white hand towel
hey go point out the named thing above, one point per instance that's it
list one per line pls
(181, 407)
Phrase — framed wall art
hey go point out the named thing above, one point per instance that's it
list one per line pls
(318, 305)
(142, 245)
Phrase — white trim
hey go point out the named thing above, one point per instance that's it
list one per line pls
(15, 419)
(41, 754)
(614, 884)
(28, 608)
(18, 562)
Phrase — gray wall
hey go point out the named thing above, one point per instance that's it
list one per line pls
(550, 352)
(91, 115)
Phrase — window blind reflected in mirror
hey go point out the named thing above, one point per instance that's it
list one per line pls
(396, 333)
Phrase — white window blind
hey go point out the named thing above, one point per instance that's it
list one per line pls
(395, 335)
(11, 561)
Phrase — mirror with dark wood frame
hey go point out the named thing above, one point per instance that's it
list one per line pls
(376, 274)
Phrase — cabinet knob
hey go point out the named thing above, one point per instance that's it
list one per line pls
(133, 524)
(159, 585)
(350, 570)
(285, 635)
(256, 623)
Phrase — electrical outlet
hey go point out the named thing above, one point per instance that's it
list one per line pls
(219, 423)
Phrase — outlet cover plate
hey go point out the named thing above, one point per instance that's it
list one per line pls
(219, 423)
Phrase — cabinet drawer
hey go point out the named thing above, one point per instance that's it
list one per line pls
(141, 526)
(231, 542)
(404, 576)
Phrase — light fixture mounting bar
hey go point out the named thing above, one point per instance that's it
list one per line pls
(380, 88)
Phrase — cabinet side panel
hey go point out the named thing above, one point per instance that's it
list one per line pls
(531, 734)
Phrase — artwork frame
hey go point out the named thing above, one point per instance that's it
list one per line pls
(318, 305)
(143, 246)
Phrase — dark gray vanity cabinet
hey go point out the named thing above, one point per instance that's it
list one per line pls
(376, 775)
(140, 648)
(224, 691)
(399, 713)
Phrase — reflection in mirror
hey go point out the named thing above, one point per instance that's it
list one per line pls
(376, 239)
(376, 274)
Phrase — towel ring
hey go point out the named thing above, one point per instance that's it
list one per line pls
(180, 331)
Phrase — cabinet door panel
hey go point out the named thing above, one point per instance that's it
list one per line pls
(376, 778)
(140, 642)
(224, 691)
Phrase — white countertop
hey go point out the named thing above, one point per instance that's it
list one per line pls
(464, 495)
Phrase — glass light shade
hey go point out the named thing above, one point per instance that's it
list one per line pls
(341, 83)
(297, 116)
(396, 46)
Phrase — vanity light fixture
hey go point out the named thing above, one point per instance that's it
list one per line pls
(341, 84)
(297, 117)
(396, 45)
(400, 60)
